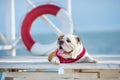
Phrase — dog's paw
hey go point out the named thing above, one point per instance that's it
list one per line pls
(91, 60)
(95, 61)
(56, 61)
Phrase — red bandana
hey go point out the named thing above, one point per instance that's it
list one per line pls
(70, 60)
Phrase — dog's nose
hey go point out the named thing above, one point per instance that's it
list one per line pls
(61, 42)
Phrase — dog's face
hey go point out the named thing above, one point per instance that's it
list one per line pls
(70, 45)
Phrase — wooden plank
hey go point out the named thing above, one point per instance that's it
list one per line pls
(40, 62)
(105, 73)
(48, 74)
(84, 75)
(109, 74)
(64, 66)
(9, 78)
(60, 79)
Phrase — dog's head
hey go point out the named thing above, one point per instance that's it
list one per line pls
(70, 45)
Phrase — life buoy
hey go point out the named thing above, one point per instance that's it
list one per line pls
(60, 13)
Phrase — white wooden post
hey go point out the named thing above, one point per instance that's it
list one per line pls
(10, 24)
(69, 7)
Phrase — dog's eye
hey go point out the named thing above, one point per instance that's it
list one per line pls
(68, 40)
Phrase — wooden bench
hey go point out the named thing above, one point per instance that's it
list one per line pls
(38, 68)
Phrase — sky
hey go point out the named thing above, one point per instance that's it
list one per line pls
(87, 15)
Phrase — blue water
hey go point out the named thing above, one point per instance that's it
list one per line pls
(102, 42)
(95, 42)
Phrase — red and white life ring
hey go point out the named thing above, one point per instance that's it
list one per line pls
(60, 13)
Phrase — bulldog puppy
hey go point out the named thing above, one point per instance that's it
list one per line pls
(69, 50)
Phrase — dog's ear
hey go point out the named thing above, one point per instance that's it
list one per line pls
(60, 37)
(78, 39)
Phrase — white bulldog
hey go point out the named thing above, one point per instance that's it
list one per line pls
(70, 49)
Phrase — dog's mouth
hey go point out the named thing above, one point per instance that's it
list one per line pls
(64, 51)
